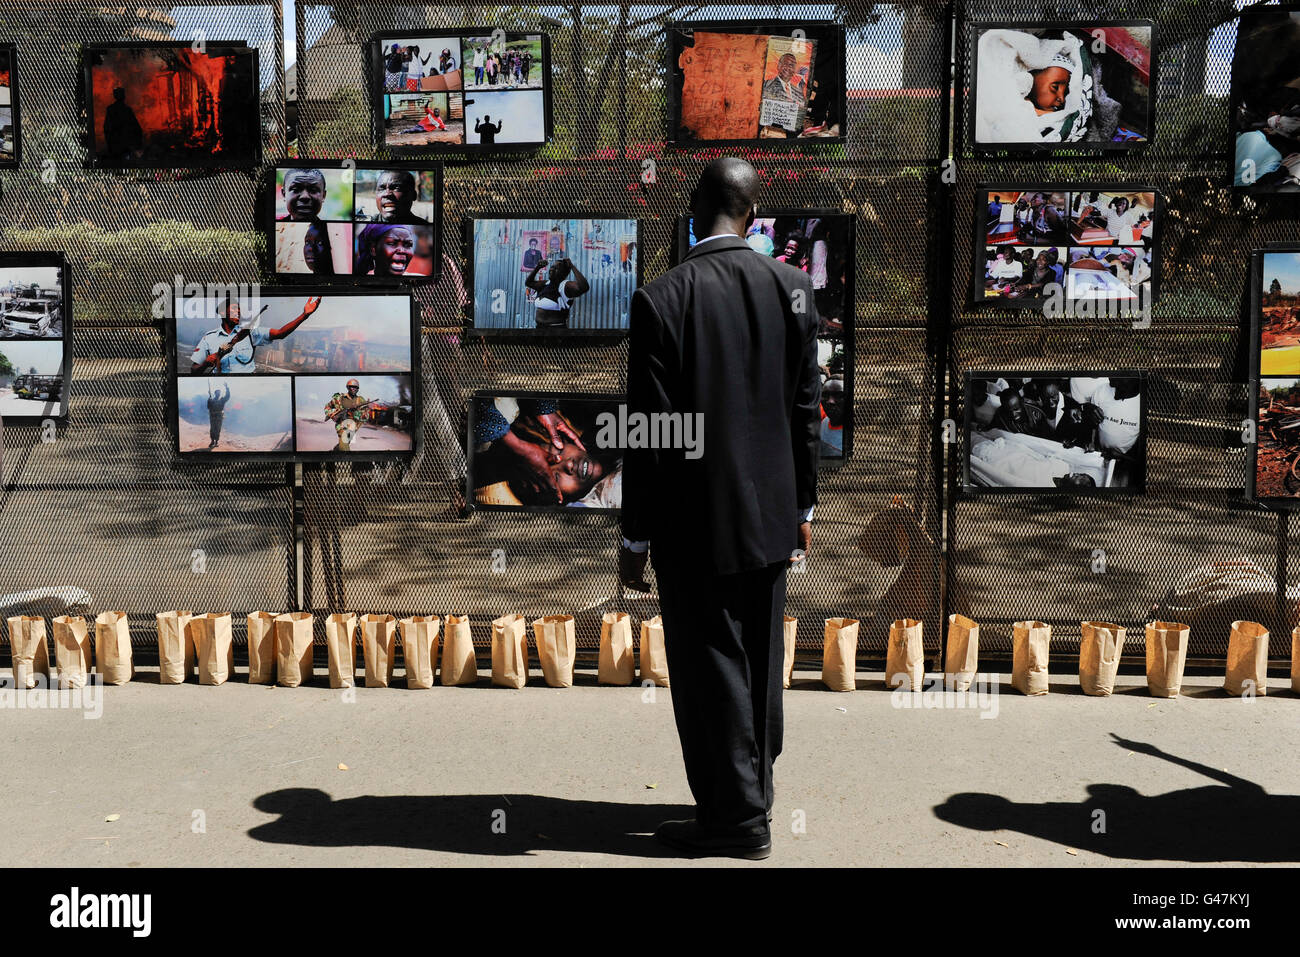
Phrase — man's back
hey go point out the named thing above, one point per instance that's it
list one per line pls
(731, 335)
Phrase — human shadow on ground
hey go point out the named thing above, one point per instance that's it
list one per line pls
(1236, 820)
(497, 824)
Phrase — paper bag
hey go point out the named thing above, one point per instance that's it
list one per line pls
(1099, 651)
(1295, 659)
(1166, 657)
(341, 643)
(458, 664)
(962, 659)
(379, 648)
(1247, 659)
(617, 663)
(216, 648)
(29, 655)
(905, 656)
(113, 647)
(840, 654)
(72, 650)
(176, 651)
(420, 649)
(789, 631)
(556, 648)
(261, 648)
(1030, 643)
(510, 651)
(654, 657)
(295, 648)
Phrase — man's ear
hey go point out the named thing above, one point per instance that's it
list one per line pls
(753, 215)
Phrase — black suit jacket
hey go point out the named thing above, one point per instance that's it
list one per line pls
(732, 335)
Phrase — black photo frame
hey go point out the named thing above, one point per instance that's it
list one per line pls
(292, 454)
(271, 225)
(245, 130)
(971, 100)
(9, 64)
(474, 457)
(1244, 175)
(38, 384)
(1136, 453)
(848, 321)
(980, 240)
(473, 271)
(830, 30)
(1259, 380)
(375, 69)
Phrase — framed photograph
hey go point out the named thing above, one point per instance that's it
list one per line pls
(1275, 374)
(376, 222)
(464, 90)
(1265, 100)
(756, 82)
(822, 244)
(514, 464)
(35, 336)
(1087, 251)
(150, 105)
(10, 127)
(296, 374)
(1058, 433)
(1077, 85)
(552, 275)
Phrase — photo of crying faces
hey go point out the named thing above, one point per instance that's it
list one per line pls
(368, 221)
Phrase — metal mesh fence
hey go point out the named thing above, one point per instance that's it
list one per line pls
(109, 508)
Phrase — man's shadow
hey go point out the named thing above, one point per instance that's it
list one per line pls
(1237, 822)
(506, 825)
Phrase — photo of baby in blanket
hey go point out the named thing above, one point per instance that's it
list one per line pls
(1088, 85)
(1055, 432)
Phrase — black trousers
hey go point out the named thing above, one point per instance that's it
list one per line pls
(723, 637)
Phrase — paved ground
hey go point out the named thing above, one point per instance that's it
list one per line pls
(246, 776)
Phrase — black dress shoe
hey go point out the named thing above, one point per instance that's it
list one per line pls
(695, 841)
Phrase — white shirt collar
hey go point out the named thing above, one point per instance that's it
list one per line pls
(701, 242)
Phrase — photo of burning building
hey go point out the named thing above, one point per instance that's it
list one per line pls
(172, 106)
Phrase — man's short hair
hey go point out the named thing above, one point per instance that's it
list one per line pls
(298, 172)
(408, 178)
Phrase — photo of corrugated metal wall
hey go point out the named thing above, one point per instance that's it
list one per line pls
(604, 250)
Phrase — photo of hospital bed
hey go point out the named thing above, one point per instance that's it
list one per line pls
(1001, 459)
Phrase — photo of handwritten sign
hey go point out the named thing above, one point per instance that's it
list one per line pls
(723, 86)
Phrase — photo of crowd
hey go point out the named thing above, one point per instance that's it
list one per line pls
(368, 221)
(172, 106)
(553, 275)
(1055, 432)
(8, 115)
(533, 451)
(764, 82)
(1266, 100)
(1040, 86)
(285, 373)
(471, 89)
(1095, 245)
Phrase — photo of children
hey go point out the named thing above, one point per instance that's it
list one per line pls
(424, 119)
(235, 413)
(1055, 432)
(173, 106)
(1093, 245)
(542, 452)
(1279, 318)
(1041, 86)
(361, 413)
(739, 83)
(503, 62)
(1266, 100)
(561, 275)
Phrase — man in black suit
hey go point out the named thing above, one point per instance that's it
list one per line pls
(731, 335)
